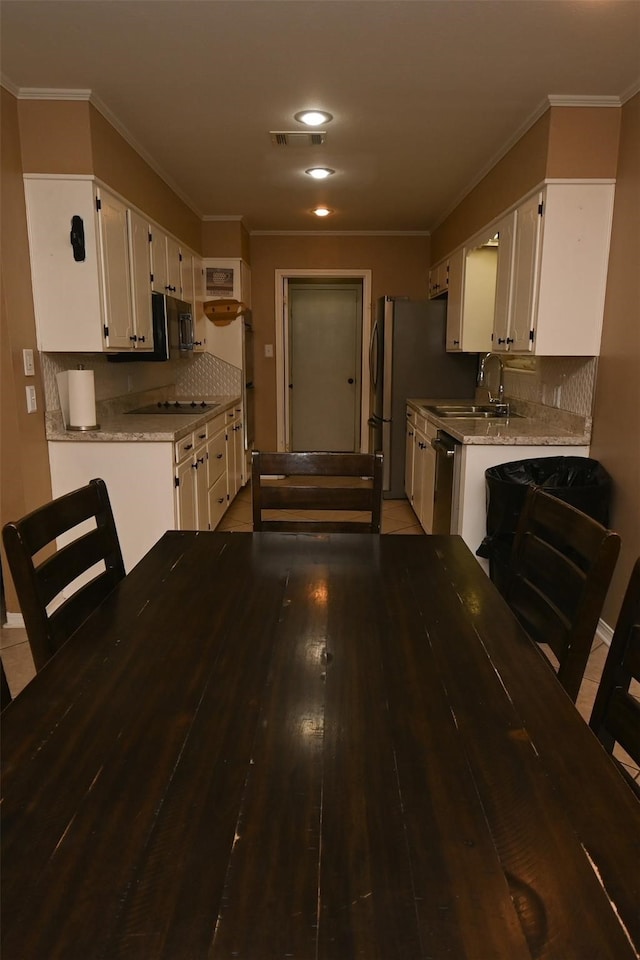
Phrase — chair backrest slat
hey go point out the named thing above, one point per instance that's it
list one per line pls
(352, 482)
(40, 579)
(561, 567)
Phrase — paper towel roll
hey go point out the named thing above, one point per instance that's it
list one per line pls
(82, 400)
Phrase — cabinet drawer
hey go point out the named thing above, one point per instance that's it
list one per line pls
(217, 501)
(184, 448)
(201, 434)
(217, 457)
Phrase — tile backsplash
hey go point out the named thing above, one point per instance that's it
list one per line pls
(566, 383)
(199, 375)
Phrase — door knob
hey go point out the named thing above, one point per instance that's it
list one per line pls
(350, 380)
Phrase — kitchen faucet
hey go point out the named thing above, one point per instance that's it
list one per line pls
(482, 379)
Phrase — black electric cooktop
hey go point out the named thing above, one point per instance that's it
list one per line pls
(176, 406)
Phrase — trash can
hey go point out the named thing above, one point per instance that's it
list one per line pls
(580, 481)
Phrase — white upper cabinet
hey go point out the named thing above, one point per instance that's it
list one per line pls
(82, 270)
(114, 236)
(91, 267)
(480, 265)
(140, 257)
(439, 279)
(505, 230)
(165, 264)
(66, 264)
(558, 273)
(230, 278)
(534, 280)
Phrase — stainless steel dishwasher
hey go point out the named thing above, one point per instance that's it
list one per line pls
(446, 448)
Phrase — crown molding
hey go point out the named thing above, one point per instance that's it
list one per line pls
(340, 233)
(52, 93)
(558, 100)
(9, 85)
(630, 92)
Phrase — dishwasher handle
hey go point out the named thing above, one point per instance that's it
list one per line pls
(440, 447)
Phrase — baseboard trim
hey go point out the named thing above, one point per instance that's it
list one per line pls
(14, 621)
(604, 632)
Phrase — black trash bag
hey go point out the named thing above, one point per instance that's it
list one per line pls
(580, 481)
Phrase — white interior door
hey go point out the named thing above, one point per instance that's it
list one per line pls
(325, 349)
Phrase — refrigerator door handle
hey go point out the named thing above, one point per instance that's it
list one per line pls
(373, 355)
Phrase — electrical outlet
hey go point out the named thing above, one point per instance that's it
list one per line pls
(27, 360)
(31, 399)
(268, 350)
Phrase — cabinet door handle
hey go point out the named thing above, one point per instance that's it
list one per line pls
(142, 339)
(188, 446)
(456, 342)
(202, 436)
(133, 338)
(509, 339)
(501, 340)
(220, 499)
(219, 456)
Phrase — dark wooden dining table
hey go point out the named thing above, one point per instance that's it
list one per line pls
(310, 746)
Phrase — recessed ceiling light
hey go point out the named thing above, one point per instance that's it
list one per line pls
(322, 211)
(319, 173)
(313, 118)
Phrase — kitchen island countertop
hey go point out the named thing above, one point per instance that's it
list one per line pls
(535, 425)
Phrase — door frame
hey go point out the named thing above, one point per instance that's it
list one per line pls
(282, 278)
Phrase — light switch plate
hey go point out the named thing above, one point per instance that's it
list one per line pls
(268, 350)
(27, 360)
(31, 399)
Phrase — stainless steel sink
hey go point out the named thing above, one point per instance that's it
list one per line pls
(471, 411)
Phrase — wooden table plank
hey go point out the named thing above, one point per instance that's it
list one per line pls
(456, 868)
(270, 902)
(366, 895)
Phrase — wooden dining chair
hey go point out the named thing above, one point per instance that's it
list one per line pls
(295, 482)
(52, 605)
(615, 717)
(561, 567)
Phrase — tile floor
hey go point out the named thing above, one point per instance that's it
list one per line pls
(397, 518)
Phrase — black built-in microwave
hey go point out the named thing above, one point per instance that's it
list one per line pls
(173, 333)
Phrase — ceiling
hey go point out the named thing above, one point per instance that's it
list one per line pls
(425, 94)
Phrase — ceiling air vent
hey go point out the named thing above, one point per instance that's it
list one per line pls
(297, 138)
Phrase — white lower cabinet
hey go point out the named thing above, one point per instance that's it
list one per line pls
(420, 467)
(154, 487)
(235, 451)
(217, 496)
(469, 511)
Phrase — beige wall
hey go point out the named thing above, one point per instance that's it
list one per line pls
(226, 239)
(24, 463)
(583, 142)
(398, 265)
(69, 137)
(55, 136)
(565, 142)
(616, 421)
(518, 171)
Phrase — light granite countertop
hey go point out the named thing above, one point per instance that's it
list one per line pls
(118, 426)
(536, 425)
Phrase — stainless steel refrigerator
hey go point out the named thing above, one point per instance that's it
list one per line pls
(408, 359)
